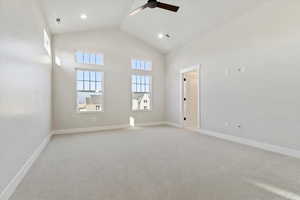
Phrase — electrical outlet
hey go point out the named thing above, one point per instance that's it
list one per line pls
(241, 69)
(238, 126)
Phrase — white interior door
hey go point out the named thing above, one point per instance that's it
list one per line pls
(190, 99)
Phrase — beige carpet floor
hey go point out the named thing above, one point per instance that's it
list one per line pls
(157, 163)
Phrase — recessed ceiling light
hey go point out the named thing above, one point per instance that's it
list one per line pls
(83, 16)
(160, 36)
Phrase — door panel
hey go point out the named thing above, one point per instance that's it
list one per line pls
(190, 101)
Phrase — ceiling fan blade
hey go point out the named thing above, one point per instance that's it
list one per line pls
(167, 7)
(138, 9)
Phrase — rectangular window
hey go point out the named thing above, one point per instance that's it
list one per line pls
(89, 58)
(141, 65)
(47, 42)
(141, 92)
(90, 90)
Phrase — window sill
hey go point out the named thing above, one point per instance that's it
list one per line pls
(89, 112)
(141, 110)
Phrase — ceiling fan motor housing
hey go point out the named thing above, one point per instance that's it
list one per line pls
(152, 3)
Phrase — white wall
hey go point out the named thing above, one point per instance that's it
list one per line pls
(118, 49)
(25, 85)
(264, 99)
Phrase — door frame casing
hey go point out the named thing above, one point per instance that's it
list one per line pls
(198, 69)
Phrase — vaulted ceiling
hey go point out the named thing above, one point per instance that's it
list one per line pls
(195, 17)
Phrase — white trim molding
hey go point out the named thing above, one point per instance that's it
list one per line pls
(89, 129)
(13, 184)
(173, 124)
(200, 85)
(150, 124)
(260, 145)
(104, 128)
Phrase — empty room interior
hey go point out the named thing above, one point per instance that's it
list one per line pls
(149, 100)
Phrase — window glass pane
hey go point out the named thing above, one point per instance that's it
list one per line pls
(142, 65)
(138, 80)
(133, 87)
(86, 85)
(93, 86)
(86, 58)
(86, 75)
(142, 79)
(79, 85)
(141, 96)
(99, 59)
(101, 87)
(79, 75)
(138, 64)
(147, 103)
(92, 59)
(133, 64)
(81, 98)
(147, 88)
(134, 78)
(147, 80)
(142, 88)
(88, 98)
(93, 76)
(79, 57)
(98, 76)
(148, 66)
(98, 86)
(138, 88)
(89, 58)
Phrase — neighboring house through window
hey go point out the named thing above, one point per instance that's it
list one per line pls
(141, 85)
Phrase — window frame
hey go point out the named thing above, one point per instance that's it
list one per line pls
(89, 52)
(142, 73)
(141, 70)
(47, 42)
(76, 91)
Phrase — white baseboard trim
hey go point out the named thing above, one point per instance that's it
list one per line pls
(13, 184)
(260, 145)
(150, 124)
(173, 124)
(89, 129)
(264, 146)
(103, 128)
